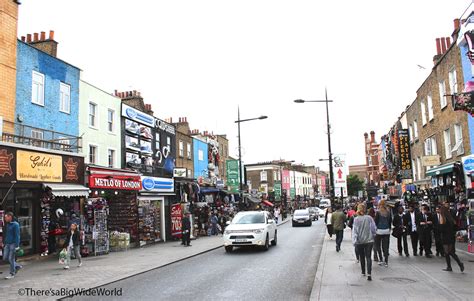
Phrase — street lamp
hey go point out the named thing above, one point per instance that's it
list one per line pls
(239, 121)
(331, 176)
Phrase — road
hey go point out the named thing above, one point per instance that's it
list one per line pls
(285, 272)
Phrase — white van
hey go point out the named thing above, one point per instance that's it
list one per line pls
(324, 203)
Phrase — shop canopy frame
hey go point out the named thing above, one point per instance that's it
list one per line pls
(440, 170)
(67, 190)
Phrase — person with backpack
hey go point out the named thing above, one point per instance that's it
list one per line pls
(383, 222)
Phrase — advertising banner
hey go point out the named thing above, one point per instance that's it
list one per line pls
(233, 175)
(340, 171)
(152, 184)
(277, 189)
(405, 155)
(176, 220)
(103, 181)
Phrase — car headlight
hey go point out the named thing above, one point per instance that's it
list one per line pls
(258, 231)
(227, 232)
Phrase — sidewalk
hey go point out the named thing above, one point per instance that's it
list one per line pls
(338, 276)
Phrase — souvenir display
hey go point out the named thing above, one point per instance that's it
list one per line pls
(95, 238)
(149, 221)
(122, 216)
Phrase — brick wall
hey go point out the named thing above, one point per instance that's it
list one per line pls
(184, 161)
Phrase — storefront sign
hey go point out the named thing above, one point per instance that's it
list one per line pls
(39, 167)
(176, 220)
(431, 160)
(179, 172)
(340, 169)
(232, 175)
(119, 182)
(277, 189)
(405, 155)
(468, 166)
(5, 163)
(71, 170)
(162, 125)
(152, 184)
(137, 116)
(220, 184)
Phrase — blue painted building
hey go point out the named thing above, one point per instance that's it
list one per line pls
(201, 160)
(47, 94)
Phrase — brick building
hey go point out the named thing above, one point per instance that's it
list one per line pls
(184, 145)
(372, 159)
(359, 170)
(223, 155)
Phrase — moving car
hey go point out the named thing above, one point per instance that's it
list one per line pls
(321, 212)
(324, 203)
(251, 228)
(313, 211)
(301, 217)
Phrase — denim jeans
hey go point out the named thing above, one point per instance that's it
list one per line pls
(9, 255)
(365, 253)
(77, 253)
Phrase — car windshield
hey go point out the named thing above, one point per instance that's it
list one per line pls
(301, 213)
(255, 218)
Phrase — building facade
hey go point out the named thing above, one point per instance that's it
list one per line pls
(185, 153)
(200, 157)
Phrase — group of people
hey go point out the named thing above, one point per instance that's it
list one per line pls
(371, 231)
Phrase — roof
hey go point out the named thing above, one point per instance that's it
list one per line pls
(54, 57)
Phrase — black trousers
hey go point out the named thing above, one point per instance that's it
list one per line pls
(414, 242)
(365, 253)
(438, 243)
(425, 242)
(186, 237)
(403, 238)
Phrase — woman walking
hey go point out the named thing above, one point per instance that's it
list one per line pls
(72, 244)
(327, 220)
(446, 228)
(363, 233)
(383, 222)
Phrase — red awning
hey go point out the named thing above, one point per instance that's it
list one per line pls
(267, 203)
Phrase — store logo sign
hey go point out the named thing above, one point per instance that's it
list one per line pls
(71, 170)
(131, 113)
(469, 164)
(148, 183)
(5, 163)
(151, 184)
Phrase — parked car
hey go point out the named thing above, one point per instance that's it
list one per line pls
(302, 217)
(313, 211)
(251, 228)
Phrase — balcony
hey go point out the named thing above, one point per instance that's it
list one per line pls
(26, 135)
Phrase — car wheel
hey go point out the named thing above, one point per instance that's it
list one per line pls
(228, 249)
(293, 225)
(267, 243)
(275, 239)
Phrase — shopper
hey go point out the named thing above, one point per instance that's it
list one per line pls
(437, 234)
(72, 244)
(383, 222)
(412, 219)
(214, 220)
(338, 221)
(400, 231)
(186, 225)
(350, 224)
(447, 231)
(277, 214)
(328, 221)
(426, 227)
(12, 243)
(363, 233)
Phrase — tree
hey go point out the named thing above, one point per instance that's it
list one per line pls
(354, 185)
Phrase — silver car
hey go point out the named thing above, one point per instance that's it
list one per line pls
(302, 217)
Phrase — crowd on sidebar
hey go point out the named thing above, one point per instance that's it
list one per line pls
(371, 230)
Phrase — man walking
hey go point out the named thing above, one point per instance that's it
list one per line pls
(412, 219)
(338, 220)
(400, 231)
(12, 243)
(437, 233)
(425, 226)
(186, 236)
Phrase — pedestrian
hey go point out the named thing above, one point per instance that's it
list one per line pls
(214, 221)
(350, 224)
(277, 214)
(447, 231)
(383, 222)
(338, 221)
(412, 219)
(400, 232)
(11, 244)
(425, 227)
(222, 222)
(437, 234)
(363, 233)
(72, 244)
(186, 235)
(328, 221)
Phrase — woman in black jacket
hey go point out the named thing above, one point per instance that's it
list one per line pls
(447, 231)
(72, 244)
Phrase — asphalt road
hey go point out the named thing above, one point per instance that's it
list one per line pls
(285, 272)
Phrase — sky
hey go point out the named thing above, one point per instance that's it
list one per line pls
(204, 59)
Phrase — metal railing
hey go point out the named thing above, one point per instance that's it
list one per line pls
(23, 134)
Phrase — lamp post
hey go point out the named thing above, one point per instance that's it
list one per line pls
(239, 121)
(331, 176)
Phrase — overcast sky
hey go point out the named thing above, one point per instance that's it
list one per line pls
(202, 59)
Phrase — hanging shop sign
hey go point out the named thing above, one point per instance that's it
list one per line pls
(340, 170)
(232, 175)
(468, 166)
(159, 185)
(6, 158)
(180, 172)
(176, 220)
(405, 154)
(119, 182)
(431, 160)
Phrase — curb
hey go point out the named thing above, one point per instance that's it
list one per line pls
(319, 272)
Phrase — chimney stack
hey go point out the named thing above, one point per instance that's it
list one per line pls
(28, 38)
(448, 42)
(438, 46)
(35, 35)
(23, 39)
(443, 45)
(372, 136)
(457, 24)
(39, 41)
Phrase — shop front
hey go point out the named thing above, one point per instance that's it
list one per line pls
(44, 190)
(447, 184)
(112, 210)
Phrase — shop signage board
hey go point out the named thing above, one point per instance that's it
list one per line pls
(277, 189)
(468, 166)
(431, 160)
(232, 175)
(180, 172)
(158, 185)
(35, 166)
(119, 182)
(340, 170)
(405, 154)
(176, 220)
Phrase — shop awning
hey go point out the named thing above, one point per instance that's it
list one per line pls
(68, 190)
(267, 203)
(209, 189)
(440, 170)
(253, 199)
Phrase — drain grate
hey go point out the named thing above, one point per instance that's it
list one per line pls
(399, 280)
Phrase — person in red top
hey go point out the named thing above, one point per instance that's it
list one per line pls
(351, 212)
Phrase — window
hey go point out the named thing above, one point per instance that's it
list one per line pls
(92, 114)
(181, 148)
(200, 155)
(37, 93)
(423, 113)
(442, 94)
(111, 156)
(275, 176)
(413, 169)
(458, 146)
(64, 144)
(157, 143)
(418, 167)
(410, 131)
(188, 150)
(263, 176)
(453, 83)
(64, 98)
(92, 154)
(447, 143)
(415, 129)
(110, 120)
(168, 142)
(429, 103)
(37, 135)
(431, 147)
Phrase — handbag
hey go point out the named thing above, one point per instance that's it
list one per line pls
(62, 256)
